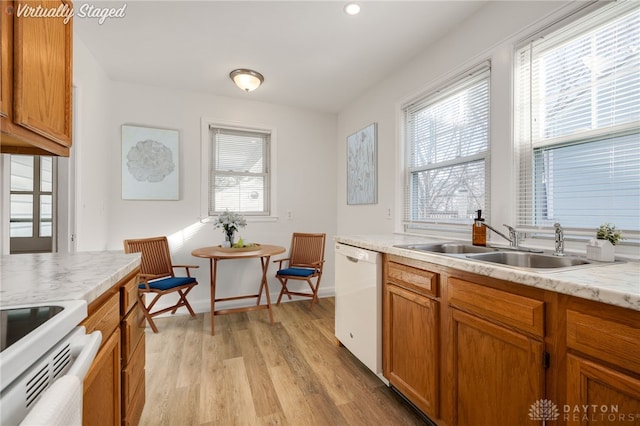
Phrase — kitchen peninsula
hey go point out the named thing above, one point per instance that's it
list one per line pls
(470, 342)
(113, 389)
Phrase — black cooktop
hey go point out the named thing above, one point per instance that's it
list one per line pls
(18, 322)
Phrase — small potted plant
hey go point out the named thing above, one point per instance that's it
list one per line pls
(608, 232)
(602, 248)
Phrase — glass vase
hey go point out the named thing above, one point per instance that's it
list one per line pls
(231, 235)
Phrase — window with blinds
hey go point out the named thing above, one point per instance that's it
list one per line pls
(578, 123)
(447, 146)
(239, 172)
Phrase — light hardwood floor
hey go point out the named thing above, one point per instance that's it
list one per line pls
(254, 373)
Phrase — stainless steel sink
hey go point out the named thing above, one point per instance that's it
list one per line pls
(449, 248)
(530, 260)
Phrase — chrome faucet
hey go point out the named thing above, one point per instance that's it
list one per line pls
(559, 240)
(513, 238)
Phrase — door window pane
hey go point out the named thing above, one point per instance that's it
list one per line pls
(21, 222)
(21, 173)
(46, 174)
(45, 215)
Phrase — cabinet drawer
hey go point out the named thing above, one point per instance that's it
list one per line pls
(128, 296)
(419, 280)
(133, 374)
(132, 332)
(512, 310)
(106, 318)
(133, 412)
(604, 339)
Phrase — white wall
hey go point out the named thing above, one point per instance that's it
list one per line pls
(486, 35)
(305, 175)
(91, 146)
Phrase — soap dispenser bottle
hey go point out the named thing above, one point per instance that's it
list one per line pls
(479, 231)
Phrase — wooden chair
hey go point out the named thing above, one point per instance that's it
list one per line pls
(157, 276)
(305, 262)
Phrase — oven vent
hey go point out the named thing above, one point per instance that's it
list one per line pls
(37, 384)
(61, 360)
(50, 369)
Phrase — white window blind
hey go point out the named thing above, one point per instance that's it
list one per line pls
(447, 140)
(239, 172)
(578, 123)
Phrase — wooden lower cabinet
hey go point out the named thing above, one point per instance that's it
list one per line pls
(498, 373)
(470, 350)
(411, 348)
(133, 364)
(600, 394)
(114, 392)
(603, 364)
(101, 395)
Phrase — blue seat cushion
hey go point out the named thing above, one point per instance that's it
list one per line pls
(296, 272)
(168, 283)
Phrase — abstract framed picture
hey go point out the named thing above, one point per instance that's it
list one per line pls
(150, 163)
(362, 163)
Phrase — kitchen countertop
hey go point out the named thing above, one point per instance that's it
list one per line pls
(48, 277)
(615, 284)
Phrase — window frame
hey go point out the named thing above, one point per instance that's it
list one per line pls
(205, 163)
(527, 145)
(443, 90)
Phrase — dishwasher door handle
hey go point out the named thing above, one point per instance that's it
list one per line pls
(352, 259)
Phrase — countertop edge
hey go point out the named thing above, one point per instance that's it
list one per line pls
(50, 277)
(586, 283)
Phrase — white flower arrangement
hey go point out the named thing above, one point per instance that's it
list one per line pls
(230, 222)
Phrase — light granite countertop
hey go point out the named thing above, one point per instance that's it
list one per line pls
(615, 284)
(48, 277)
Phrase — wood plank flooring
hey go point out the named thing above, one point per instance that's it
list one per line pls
(255, 373)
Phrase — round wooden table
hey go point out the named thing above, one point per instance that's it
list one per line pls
(216, 253)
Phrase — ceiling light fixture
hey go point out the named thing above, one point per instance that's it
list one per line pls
(247, 80)
(352, 9)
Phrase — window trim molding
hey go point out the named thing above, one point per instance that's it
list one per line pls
(205, 157)
(447, 85)
(560, 24)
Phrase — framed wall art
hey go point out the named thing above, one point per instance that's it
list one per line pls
(362, 163)
(150, 163)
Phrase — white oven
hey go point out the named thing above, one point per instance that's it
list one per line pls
(41, 345)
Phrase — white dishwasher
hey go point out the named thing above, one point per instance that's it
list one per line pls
(358, 316)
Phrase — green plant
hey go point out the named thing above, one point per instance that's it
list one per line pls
(608, 232)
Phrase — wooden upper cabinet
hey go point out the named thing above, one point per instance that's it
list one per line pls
(6, 52)
(39, 115)
(42, 76)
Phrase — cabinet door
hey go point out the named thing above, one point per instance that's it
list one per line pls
(498, 373)
(6, 31)
(411, 348)
(101, 396)
(42, 73)
(599, 394)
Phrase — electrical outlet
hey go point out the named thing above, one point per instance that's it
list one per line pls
(389, 213)
(289, 215)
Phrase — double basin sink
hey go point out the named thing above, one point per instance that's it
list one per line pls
(515, 257)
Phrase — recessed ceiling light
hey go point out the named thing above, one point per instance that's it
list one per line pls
(352, 9)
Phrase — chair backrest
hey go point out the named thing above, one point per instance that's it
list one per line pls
(156, 258)
(306, 249)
